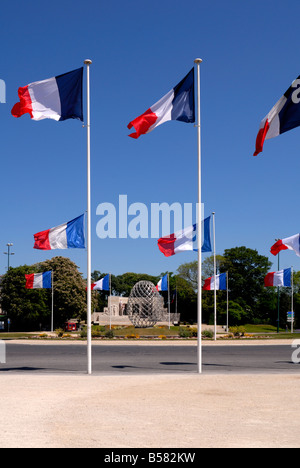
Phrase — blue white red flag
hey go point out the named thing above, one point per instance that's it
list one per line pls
(39, 280)
(220, 284)
(279, 278)
(162, 285)
(284, 116)
(185, 240)
(69, 235)
(289, 243)
(101, 285)
(58, 98)
(177, 104)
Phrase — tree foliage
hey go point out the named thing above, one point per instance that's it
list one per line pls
(31, 309)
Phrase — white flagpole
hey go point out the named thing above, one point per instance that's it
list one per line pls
(292, 326)
(215, 278)
(52, 302)
(110, 301)
(89, 295)
(169, 310)
(227, 302)
(199, 305)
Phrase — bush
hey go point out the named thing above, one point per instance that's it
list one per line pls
(109, 334)
(237, 331)
(185, 332)
(207, 333)
(59, 332)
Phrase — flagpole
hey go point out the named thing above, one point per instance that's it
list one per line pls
(89, 295)
(110, 301)
(215, 279)
(227, 302)
(52, 301)
(199, 299)
(169, 302)
(292, 326)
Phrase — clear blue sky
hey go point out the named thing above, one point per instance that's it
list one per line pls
(139, 52)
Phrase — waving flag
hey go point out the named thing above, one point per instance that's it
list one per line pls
(66, 236)
(177, 104)
(289, 243)
(284, 116)
(162, 285)
(279, 278)
(101, 285)
(186, 239)
(39, 280)
(58, 98)
(209, 283)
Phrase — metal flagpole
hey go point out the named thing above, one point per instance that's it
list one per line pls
(52, 301)
(199, 304)
(169, 302)
(89, 295)
(227, 302)
(110, 301)
(215, 279)
(292, 323)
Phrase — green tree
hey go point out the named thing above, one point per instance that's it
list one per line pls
(27, 309)
(246, 272)
(69, 290)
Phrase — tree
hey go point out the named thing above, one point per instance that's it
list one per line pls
(30, 309)
(246, 272)
(26, 309)
(69, 290)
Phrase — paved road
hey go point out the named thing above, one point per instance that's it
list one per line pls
(142, 359)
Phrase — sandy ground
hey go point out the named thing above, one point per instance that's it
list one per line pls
(150, 411)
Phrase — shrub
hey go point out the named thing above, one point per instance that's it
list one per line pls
(207, 333)
(109, 334)
(59, 332)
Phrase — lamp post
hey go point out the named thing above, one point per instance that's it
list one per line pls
(8, 253)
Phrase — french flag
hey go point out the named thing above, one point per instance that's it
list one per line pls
(66, 236)
(101, 285)
(58, 98)
(185, 240)
(289, 243)
(39, 280)
(177, 104)
(220, 284)
(162, 285)
(284, 116)
(279, 278)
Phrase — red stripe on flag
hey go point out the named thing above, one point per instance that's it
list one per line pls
(260, 139)
(142, 123)
(269, 280)
(25, 104)
(42, 240)
(207, 285)
(29, 281)
(166, 245)
(277, 247)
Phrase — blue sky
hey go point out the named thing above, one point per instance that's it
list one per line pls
(139, 52)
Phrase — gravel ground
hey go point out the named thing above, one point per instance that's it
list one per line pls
(151, 411)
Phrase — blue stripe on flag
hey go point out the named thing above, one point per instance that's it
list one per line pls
(75, 233)
(222, 282)
(184, 99)
(70, 93)
(287, 275)
(47, 280)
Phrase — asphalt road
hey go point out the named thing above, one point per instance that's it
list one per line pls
(142, 359)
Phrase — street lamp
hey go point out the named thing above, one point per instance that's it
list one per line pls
(8, 253)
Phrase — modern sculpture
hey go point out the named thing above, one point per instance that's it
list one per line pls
(145, 306)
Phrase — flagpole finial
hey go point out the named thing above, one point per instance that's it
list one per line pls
(87, 62)
(198, 60)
